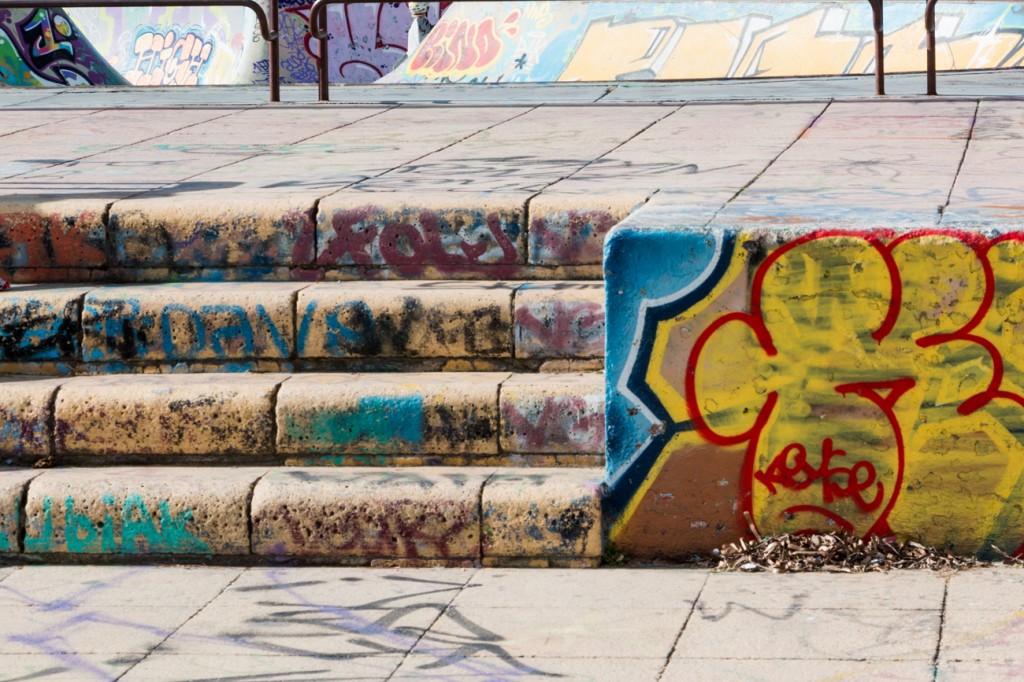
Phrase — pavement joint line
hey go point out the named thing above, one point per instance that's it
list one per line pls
(526, 208)
(679, 635)
(609, 90)
(246, 158)
(430, 153)
(59, 120)
(294, 354)
(942, 627)
(771, 163)
(72, 162)
(440, 614)
(676, 108)
(183, 624)
(959, 167)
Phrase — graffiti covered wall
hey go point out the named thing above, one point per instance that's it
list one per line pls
(40, 47)
(871, 382)
(162, 46)
(580, 41)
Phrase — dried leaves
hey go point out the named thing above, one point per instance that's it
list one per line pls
(838, 553)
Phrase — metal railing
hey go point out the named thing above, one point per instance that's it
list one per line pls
(268, 21)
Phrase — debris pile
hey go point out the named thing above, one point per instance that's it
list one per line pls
(837, 553)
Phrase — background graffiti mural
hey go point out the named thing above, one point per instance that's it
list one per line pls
(45, 47)
(581, 41)
(871, 382)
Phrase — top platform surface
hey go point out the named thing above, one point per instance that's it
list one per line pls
(149, 165)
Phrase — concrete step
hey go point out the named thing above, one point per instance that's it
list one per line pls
(281, 326)
(411, 516)
(458, 418)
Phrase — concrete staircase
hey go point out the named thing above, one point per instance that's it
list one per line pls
(403, 421)
(413, 422)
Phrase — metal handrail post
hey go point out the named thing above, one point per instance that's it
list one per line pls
(879, 26)
(274, 53)
(929, 29)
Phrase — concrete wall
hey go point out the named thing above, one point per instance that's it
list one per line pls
(862, 381)
(580, 41)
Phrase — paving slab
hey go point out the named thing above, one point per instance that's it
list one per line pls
(405, 319)
(86, 588)
(620, 588)
(207, 414)
(364, 514)
(906, 591)
(169, 667)
(112, 630)
(552, 413)
(980, 590)
(195, 321)
(419, 667)
(151, 510)
(26, 412)
(354, 589)
(559, 319)
(389, 413)
(66, 667)
(581, 632)
(992, 635)
(799, 633)
(780, 670)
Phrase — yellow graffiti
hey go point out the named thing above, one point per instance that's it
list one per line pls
(875, 381)
(674, 48)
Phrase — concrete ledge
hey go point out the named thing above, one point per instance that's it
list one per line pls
(542, 514)
(406, 319)
(62, 233)
(211, 231)
(26, 415)
(211, 414)
(559, 320)
(13, 484)
(411, 516)
(432, 413)
(140, 511)
(167, 322)
(552, 413)
(369, 513)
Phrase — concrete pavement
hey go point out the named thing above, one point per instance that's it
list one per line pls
(667, 624)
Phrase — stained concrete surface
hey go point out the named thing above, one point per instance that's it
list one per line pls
(316, 623)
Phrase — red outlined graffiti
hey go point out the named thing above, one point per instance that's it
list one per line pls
(843, 481)
(461, 47)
